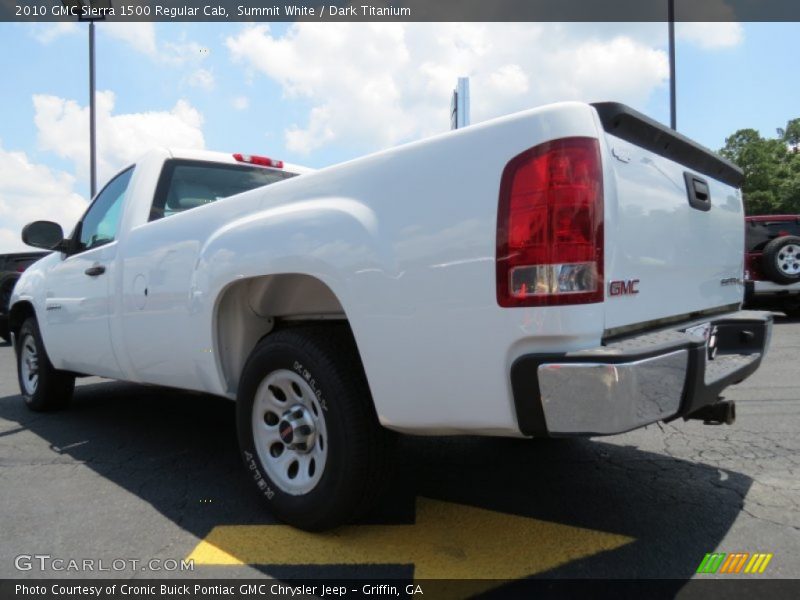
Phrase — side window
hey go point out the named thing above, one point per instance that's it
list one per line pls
(187, 184)
(756, 236)
(100, 223)
(782, 228)
(760, 233)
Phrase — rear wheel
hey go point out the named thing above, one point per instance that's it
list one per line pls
(42, 386)
(307, 428)
(781, 259)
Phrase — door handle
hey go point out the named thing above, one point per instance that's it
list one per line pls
(95, 270)
(698, 191)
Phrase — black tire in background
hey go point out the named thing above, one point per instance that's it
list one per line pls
(358, 448)
(53, 388)
(781, 260)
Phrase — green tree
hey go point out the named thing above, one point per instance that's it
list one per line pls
(771, 167)
(791, 135)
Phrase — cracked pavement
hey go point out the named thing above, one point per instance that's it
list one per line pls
(138, 472)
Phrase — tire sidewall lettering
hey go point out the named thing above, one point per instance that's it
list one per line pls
(261, 482)
(306, 374)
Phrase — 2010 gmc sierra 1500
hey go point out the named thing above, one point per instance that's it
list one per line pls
(570, 270)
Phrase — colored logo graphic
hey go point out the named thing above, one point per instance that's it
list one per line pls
(735, 563)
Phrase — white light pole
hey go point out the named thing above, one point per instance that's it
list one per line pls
(459, 104)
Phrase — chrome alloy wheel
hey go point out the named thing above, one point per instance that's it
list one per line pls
(29, 365)
(289, 432)
(789, 260)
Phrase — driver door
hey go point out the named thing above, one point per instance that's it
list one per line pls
(79, 303)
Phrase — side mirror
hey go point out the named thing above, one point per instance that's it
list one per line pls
(43, 234)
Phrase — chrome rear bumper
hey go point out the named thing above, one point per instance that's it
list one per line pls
(629, 383)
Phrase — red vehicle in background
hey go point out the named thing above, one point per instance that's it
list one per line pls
(772, 263)
(11, 266)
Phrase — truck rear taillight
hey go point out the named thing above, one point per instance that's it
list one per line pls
(261, 161)
(550, 226)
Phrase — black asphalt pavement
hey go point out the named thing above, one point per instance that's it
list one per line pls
(138, 473)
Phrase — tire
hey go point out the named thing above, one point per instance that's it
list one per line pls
(43, 387)
(781, 259)
(329, 431)
(5, 335)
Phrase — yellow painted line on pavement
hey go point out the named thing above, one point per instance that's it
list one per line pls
(448, 541)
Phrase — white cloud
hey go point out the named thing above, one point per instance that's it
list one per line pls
(317, 133)
(241, 102)
(182, 52)
(201, 78)
(710, 36)
(29, 192)
(509, 79)
(62, 127)
(381, 84)
(48, 33)
(140, 36)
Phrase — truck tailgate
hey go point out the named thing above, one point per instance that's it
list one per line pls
(674, 224)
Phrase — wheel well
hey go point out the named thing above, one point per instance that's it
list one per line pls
(17, 315)
(250, 309)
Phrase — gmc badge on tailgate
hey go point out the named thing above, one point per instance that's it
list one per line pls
(623, 287)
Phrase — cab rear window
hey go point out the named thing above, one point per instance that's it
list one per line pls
(187, 184)
(759, 233)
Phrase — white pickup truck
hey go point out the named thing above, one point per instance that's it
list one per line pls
(570, 270)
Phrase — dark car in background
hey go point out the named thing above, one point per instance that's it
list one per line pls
(772, 263)
(11, 265)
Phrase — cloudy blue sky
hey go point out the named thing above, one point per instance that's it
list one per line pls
(317, 94)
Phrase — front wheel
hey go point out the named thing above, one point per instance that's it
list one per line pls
(307, 428)
(43, 387)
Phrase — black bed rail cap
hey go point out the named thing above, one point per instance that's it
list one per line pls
(636, 128)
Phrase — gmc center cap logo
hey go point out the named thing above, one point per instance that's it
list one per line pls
(286, 431)
(623, 287)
